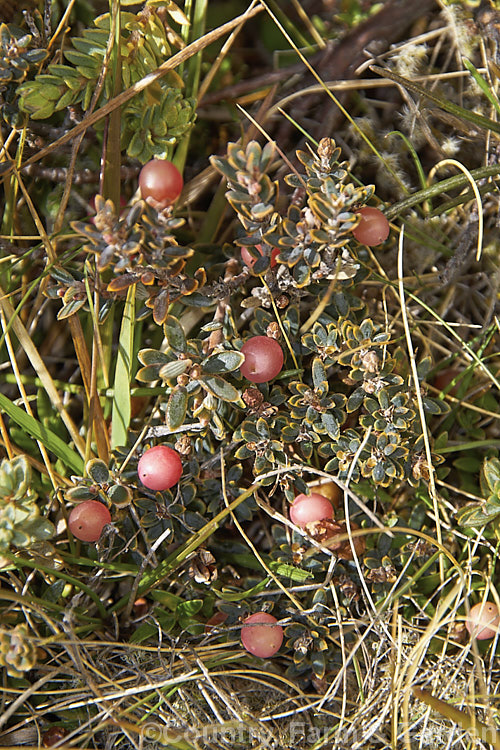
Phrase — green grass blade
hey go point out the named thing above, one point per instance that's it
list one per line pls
(34, 429)
(451, 183)
(482, 83)
(414, 156)
(198, 15)
(120, 415)
(49, 570)
(194, 63)
(479, 121)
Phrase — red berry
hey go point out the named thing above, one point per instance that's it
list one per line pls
(161, 181)
(483, 621)
(264, 639)
(373, 227)
(249, 260)
(160, 468)
(87, 520)
(263, 359)
(53, 735)
(307, 508)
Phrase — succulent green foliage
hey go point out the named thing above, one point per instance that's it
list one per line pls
(180, 512)
(18, 653)
(315, 406)
(21, 524)
(344, 367)
(476, 515)
(141, 248)
(316, 235)
(171, 611)
(100, 483)
(154, 129)
(260, 438)
(18, 56)
(313, 238)
(154, 119)
(197, 383)
(251, 192)
(344, 401)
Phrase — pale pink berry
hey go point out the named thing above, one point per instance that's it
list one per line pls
(373, 227)
(263, 359)
(87, 520)
(160, 468)
(483, 621)
(308, 508)
(260, 635)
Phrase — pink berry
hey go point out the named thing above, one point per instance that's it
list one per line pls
(160, 180)
(483, 621)
(263, 639)
(160, 468)
(87, 520)
(373, 227)
(249, 260)
(307, 508)
(263, 359)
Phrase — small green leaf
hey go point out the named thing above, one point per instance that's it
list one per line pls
(473, 516)
(175, 334)
(290, 571)
(79, 493)
(143, 632)
(148, 374)
(166, 599)
(174, 369)
(355, 400)
(319, 374)
(189, 608)
(318, 663)
(62, 276)
(261, 210)
(219, 388)
(434, 406)
(152, 357)
(120, 495)
(71, 308)
(491, 472)
(176, 408)
(225, 361)
(331, 425)
(97, 471)
(121, 410)
(80, 59)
